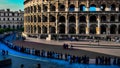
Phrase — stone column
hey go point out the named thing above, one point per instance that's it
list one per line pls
(56, 24)
(66, 25)
(98, 27)
(77, 20)
(108, 29)
(48, 24)
(48, 6)
(41, 5)
(76, 7)
(66, 8)
(88, 24)
(41, 23)
(57, 6)
(87, 6)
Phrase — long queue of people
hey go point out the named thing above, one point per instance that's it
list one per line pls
(67, 57)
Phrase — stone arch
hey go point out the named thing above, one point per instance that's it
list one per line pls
(92, 7)
(39, 18)
(4, 26)
(113, 28)
(35, 9)
(61, 7)
(52, 18)
(39, 29)
(119, 7)
(31, 19)
(119, 29)
(13, 27)
(62, 19)
(82, 29)
(8, 26)
(72, 29)
(72, 19)
(103, 18)
(103, 7)
(45, 8)
(35, 29)
(45, 18)
(52, 29)
(93, 29)
(113, 7)
(44, 29)
(31, 9)
(52, 7)
(35, 19)
(93, 18)
(18, 27)
(61, 29)
(39, 8)
(112, 18)
(103, 29)
(119, 18)
(82, 7)
(82, 18)
(72, 8)
(31, 29)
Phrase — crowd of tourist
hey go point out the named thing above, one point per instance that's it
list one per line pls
(67, 57)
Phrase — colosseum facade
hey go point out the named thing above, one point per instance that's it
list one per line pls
(72, 17)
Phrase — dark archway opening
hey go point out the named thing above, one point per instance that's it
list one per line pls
(62, 29)
(113, 29)
(72, 19)
(93, 18)
(71, 8)
(62, 19)
(103, 29)
(82, 19)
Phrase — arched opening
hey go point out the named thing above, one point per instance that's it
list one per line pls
(39, 18)
(31, 9)
(92, 7)
(35, 31)
(52, 18)
(35, 19)
(34, 9)
(102, 7)
(18, 27)
(39, 8)
(103, 29)
(44, 29)
(82, 19)
(93, 18)
(119, 7)
(31, 19)
(8, 26)
(93, 29)
(45, 8)
(52, 7)
(31, 29)
(82, 29)
(71, 8)
(103, 18)
(44, 18)
(82, 7)
(13, 27)
(61, 19)
(61, 7)
(39, 29)
(52, 29)
(72, 19)
(119, 29)
(112, 18)
(113, 29)
(119, 18)
(113, 7)
(72, 29)
(62, 29)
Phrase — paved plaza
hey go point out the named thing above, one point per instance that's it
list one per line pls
(105, 47)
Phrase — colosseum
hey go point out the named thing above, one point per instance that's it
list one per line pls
(72, 18)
